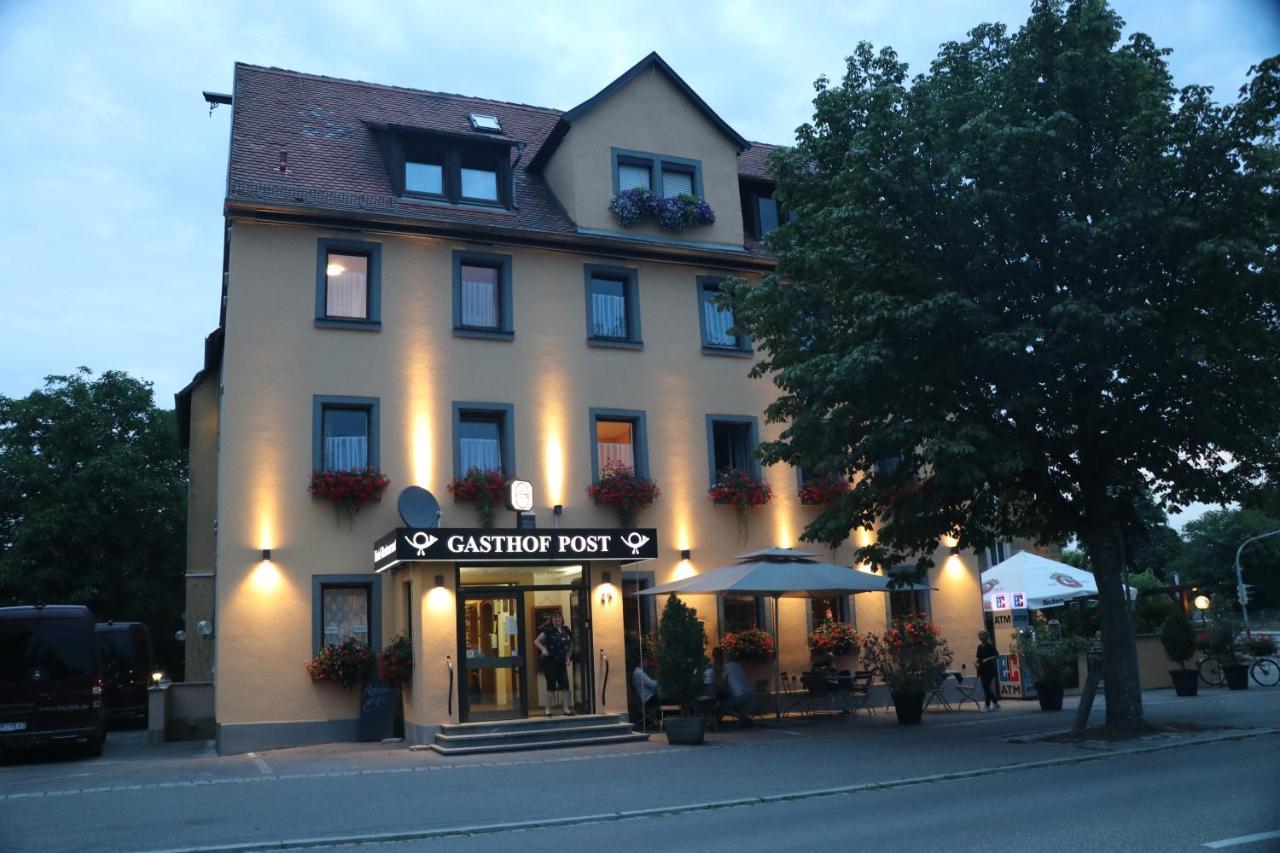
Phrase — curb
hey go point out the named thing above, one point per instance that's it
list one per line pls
(713, 805)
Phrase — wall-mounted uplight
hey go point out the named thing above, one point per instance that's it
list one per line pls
(686, 554)
(606, 589)
(439, 581)
(558, 509)
(266, 555)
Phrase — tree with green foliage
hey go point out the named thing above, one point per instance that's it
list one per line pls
(1209, 556)
(93, 495)
(1037, 277)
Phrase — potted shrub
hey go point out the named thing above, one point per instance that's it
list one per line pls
(912, 659)
(743, 490)
(395, 662)
(1050, 661)
(483, 487)
(620, 488)
(748, 645)
(1178, 636)
(681, 662)
(345, 664)
(834, 639)
(348, 490)
(1223, 642)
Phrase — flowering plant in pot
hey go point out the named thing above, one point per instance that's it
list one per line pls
(483, 487)
(1259, 645)
(1178, 636)
(1050, 660)
(348, 490)
(1223, 642)
(911, 658)
(395, 662)
(834, 638)
(345, 663)
(743, 490)
(749, 644)
(819, 491)
(681, 662)
(625, 491)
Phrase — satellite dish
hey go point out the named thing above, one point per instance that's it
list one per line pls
(419, 508)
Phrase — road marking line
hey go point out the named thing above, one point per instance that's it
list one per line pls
(262, 765)
(787, 732)
(688, 808)
(1243, 839)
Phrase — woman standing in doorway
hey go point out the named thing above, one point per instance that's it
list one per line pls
(554, 643)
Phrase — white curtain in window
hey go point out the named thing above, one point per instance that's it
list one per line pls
(344, 452)
(480, 297)
(630, 177)
(347, 292)
(346, 614)
(608, 315)
(480, 183)
(718, 322)
(483, 453)
(676, 183)
(611, 453)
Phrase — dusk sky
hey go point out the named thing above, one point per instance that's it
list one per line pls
(116, 171)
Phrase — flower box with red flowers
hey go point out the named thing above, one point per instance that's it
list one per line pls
(345, 663)
(348, 490)
(834, 638)
(482, 486)
(749, 644)
(819, 491)
(622, 489)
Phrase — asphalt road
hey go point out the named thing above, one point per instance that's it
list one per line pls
(1169, 795)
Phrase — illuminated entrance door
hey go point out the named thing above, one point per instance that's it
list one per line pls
(493, 658)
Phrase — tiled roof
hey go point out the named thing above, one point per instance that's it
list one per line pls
(323, 128)
(753, 162)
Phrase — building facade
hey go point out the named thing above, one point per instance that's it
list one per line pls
(424, 283)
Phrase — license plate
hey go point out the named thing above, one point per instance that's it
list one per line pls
(13, 727)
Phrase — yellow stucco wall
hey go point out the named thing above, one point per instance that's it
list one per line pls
(277, 360)
(648, 115)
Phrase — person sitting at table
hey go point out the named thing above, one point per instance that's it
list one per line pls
(646, 690)
(736, 696)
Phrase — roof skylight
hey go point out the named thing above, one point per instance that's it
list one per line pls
(488, 124)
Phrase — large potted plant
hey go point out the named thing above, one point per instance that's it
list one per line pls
(1223, 642)
(395, 662)
(681, 663)
(912, 659)
(1178, 636)
(1050, 660)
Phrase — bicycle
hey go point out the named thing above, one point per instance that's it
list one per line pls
(1263, 670)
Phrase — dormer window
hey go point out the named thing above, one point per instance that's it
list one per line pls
(659, 174)
(486, 124)
(451, 169)
(761, 213)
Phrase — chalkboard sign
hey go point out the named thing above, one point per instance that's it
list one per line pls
(377, 709)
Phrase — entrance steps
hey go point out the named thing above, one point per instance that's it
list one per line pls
(534, 733)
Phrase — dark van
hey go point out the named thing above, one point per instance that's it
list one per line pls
(125, 648)
(50, 678)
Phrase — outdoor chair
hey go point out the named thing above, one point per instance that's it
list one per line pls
(817, 691)
(967, 689)
(936, 693)
(860, 692)
(794, 699)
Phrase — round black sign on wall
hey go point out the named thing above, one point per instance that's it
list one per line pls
(419, 508)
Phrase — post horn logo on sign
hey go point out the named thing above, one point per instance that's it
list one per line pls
(420, 541)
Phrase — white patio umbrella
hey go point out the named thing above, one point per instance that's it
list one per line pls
(777, 573)
(1045, 582)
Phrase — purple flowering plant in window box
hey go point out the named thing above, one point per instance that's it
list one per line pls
(671, 214)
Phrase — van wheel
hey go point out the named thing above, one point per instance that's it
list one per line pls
(93, 748)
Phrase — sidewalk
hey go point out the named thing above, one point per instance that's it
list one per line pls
(183, 799)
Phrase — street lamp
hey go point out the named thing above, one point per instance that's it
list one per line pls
(1241, 592)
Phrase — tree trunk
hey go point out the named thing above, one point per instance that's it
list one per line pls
(1120, 651)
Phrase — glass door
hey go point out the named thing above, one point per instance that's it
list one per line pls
(493, 659)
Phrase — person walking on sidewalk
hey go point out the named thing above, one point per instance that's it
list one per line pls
(987, 655)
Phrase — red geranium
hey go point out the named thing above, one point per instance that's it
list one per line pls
(742, 490)
(619, 487)
(484, 486)
(748, 644)
(348, 490)
(822, 490)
